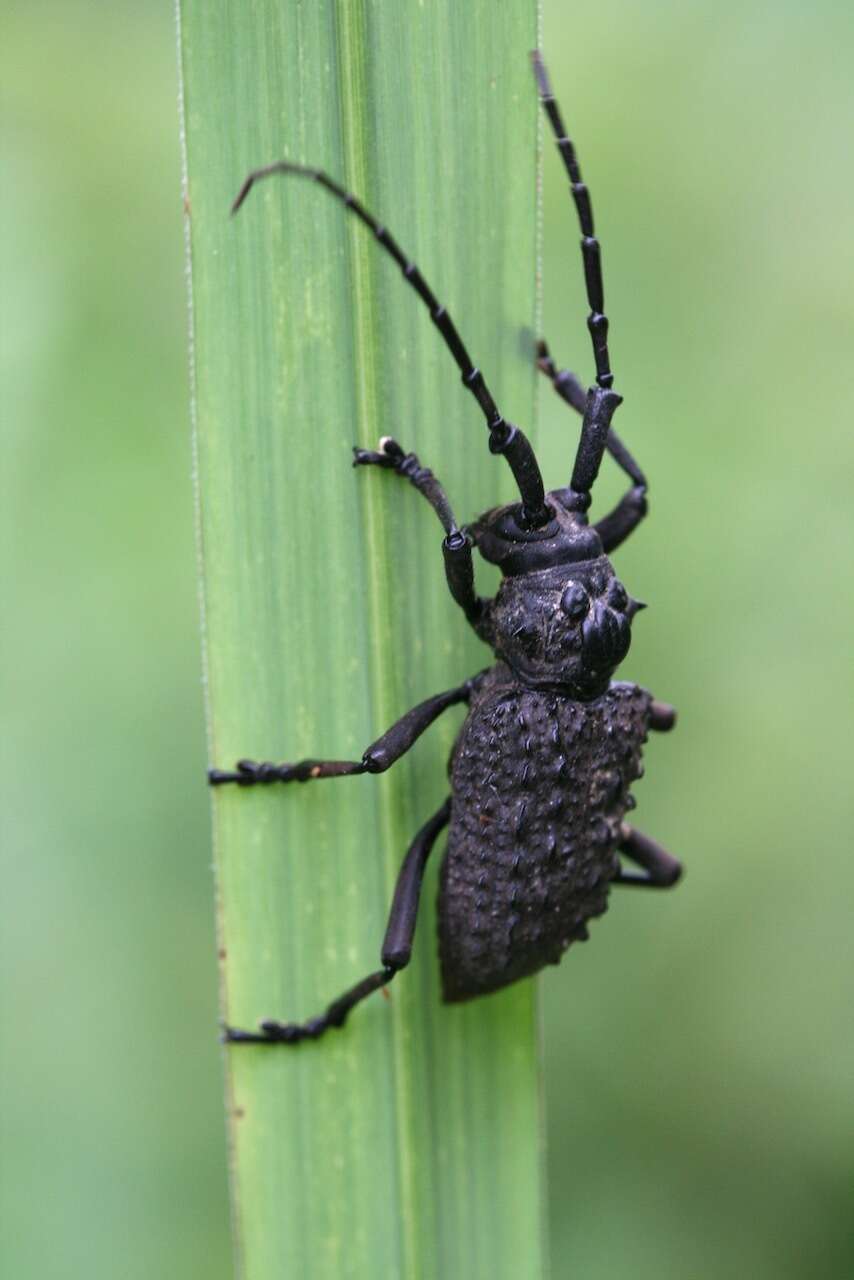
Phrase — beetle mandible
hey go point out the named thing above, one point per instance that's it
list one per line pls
(541, 769)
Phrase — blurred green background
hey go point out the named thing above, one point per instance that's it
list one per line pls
(716, 139)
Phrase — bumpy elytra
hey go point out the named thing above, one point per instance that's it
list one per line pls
(540, 785)
(541, 770)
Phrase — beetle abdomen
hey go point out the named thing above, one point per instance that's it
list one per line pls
(540, 785)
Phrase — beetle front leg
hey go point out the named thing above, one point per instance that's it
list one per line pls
(396, 949)
(568, 386)
(378, 757)
(615, 527)
(393, 457)
(456, 547)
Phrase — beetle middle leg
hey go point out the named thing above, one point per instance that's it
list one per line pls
(395, 955)
(662, 869)
(378, 757)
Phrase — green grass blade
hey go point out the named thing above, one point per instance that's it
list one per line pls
(409, 1144)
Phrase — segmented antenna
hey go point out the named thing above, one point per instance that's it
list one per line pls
(504, 438)
(597, 321)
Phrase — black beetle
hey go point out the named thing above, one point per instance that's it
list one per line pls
(541, 769)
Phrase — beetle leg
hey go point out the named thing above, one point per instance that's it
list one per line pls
(396, 949)
(391, 456)
(456, 547)
(378, 757)
(662, 869)
(662, 717)
(615, 527)
(569, 387)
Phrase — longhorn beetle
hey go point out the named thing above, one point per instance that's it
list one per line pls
(541, 769)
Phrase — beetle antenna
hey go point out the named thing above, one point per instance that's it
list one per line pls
(597, 321)
(504, 438)
(601, 400)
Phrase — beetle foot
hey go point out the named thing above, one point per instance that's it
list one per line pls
(544, 360)
(249, 773)
(272, 1032)
(389, 454)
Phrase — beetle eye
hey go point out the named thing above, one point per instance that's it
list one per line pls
(575, 602)
(617, 597)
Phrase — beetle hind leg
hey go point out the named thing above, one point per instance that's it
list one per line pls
(661, 869)
(272, 1032)
(396, 950)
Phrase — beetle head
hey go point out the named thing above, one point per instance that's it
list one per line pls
(560, 616)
